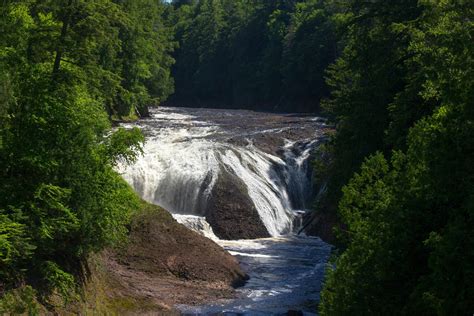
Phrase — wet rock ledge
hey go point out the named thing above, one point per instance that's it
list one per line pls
(231, 212)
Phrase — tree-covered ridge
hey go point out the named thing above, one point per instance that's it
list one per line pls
(395, 77)
(252, 54)
(402, 98)
(121, 49)
(66, 69)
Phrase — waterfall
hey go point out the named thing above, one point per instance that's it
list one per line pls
(184, 155)
(175, 173)
(198, 224)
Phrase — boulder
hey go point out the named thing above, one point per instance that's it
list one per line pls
(231, 212)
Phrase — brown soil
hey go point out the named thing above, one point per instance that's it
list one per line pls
(162, 265)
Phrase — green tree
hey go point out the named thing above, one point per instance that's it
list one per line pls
(410, 222)
(245, 54)
(365, 80)
(61, 66)
(145, 57)
(198, 69)
(309, 48)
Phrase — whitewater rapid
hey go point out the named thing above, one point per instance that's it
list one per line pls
(185, 153)
(285, 272)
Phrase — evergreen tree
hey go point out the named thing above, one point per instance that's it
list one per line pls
(409, 217)
(365, 80)
(245, 54)
(62, 63)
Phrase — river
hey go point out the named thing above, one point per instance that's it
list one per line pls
(264, 158)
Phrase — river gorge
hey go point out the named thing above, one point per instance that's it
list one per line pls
(242, 179)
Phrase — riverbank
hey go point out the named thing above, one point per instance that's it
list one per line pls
(161, 265)
(240, 176)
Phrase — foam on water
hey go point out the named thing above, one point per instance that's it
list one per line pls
(183, 159)
(286, 273)
(198, 224)
(186, 151)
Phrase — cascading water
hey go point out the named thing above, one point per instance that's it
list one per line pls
(186, 152)
(184, 156)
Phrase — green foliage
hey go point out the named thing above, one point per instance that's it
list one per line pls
(309, 47)
(263, 55)
(60, 180)
(366, 208)
(145, 56)
(14, 243)
(365, 79)
(410, 236)
(19, 302)
(409, 216)
(55, 278)
(55, 218)
(62, 65)
(125, 145)
(119, 49)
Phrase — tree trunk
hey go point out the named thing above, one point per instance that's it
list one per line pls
(59, 48)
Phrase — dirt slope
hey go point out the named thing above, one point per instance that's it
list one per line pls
(163, 264)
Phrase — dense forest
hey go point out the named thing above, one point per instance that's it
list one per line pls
(268, 55)
(401, 96)
(396, 78)
(68, 68)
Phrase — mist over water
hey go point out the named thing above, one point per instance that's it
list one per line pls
(187, 150)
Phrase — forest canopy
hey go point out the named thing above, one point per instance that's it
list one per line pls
(395, 78)
(67, 69)
(267, 55)
(402, 172)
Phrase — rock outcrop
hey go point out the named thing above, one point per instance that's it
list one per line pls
(321, 225)
(231, 212)
(162, 264)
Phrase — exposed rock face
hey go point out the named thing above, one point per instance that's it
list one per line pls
(162, 264)
(165, 264)
(231, 212)
(257, 160)
(322, 225)
(159, 245)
